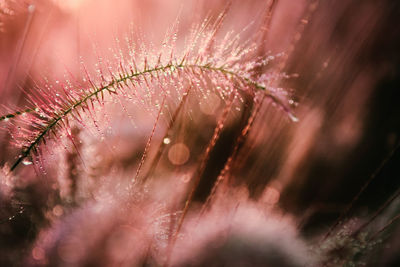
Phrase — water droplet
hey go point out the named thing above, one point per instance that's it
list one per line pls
(38, 253)
(293, 117)
(31, 8)
(26, 162)
(58, 210)
(185, 178)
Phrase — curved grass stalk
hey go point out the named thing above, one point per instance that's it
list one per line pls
(117, 82)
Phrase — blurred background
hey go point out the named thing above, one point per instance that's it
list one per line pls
(343, 68)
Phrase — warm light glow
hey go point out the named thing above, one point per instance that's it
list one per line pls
(178, 154)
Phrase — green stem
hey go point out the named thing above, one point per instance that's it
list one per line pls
(17, 113)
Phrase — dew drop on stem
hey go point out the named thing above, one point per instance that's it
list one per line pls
(26, 162)
(292, 117)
